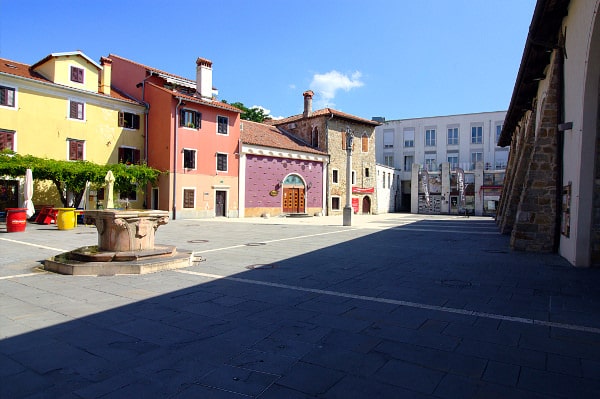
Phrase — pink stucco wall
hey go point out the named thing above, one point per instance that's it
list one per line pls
(264, 173)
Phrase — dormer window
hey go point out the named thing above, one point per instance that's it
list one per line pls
(76, 74)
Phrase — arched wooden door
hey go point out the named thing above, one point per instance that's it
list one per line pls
(366, 205)
(293, 200)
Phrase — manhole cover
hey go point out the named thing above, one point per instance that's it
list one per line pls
(260, 266)
(456, 283)
(255, 244)
(197, 241)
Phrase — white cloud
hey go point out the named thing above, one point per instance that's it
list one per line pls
(326, 85)
(266, 112)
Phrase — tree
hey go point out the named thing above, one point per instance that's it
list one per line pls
(255, 114)
(73, 176)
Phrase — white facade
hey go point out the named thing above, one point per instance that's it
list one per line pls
(388, 188)
(458, 140)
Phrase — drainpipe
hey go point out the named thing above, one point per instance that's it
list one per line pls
(175, 145)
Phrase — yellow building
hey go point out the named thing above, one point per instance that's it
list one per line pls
(62, 107)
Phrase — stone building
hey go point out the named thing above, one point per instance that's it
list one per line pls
(326, 130)
(551, 200)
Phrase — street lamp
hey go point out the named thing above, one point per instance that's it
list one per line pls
(348, 207)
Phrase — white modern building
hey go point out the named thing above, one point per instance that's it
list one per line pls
(466, 141)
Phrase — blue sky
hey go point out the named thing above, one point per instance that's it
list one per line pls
(392, 58)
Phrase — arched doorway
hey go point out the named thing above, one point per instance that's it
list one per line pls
(366, 205)
(293, 200)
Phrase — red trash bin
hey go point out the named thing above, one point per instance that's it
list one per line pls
(16, 219)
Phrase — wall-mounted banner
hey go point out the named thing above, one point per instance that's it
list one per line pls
(460, 186)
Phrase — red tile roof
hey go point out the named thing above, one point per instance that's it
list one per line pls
(149, 68)
(255, 133)
(198, 100)
(325, 112)
(19, 69)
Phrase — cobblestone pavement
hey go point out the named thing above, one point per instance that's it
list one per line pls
(394, 306)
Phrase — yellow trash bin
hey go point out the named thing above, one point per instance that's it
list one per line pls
(65, 219)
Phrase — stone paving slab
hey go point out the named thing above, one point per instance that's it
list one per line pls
(395, 305)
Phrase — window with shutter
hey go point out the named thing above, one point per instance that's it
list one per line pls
(76, 110)
(189, 159)
(7, 140)
(76, 74)
(190, 118)
(76, 150)
(344, 140)
(188, 198)
(365, 143)
(7, 96)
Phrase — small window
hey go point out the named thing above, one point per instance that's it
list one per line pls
(498, 132)
(7, 140)
(388, 138)
(190, 118)
(129, 156)
(222, 162)
(128, 196)
(189, 159)
(366, 172)
(453, 161)
(353, 177)
(189, 196)
(222, 125)
(129, 120)
(76, 74)
(76, 148)
(7, 96)
(315, 137)
(334, 176)
(409, 137)
(388, 160)
(452, 135)
(408, 162)
(335, 203)
(365, 143)
(477, 135)
(430, 137)
(383, 180)
(76, 110)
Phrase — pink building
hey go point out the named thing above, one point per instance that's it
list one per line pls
(279, 174)
(190, 135)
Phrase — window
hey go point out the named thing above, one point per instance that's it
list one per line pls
(190, 118)
(388, 160)
(222, 162)
(389, 180)
(129, 156)
(353, 177)
(315, 137)
(7, 96)
(453, 161)
(335, 203)
(409, 137)
(476, 134)
(222, 125)
(76, 110)
(430, 162)
(498, 131)
(452, 135)
(365, 143)
(129, 120)
(76, 74)
(189, 197)
(366, 172)
(128, 195)
(189, 159)
(388, 138)
(76, 148)
(430, 137)
(334, 176)
(383, 180)
(501, 159)
(408, 162)
(7, 140)
(476, 157)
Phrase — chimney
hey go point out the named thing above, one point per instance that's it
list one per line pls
(204, 78)
(308, 95)
(105, 75)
